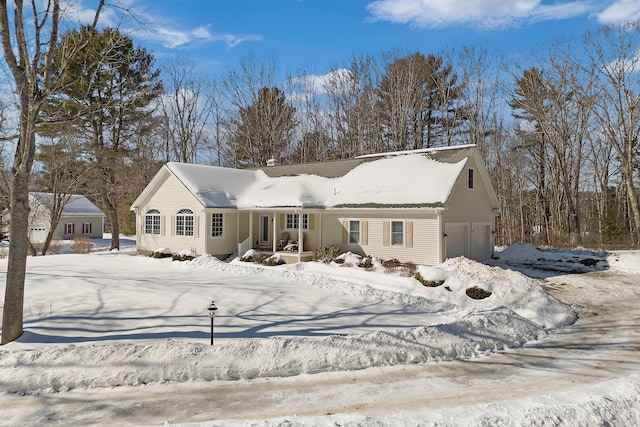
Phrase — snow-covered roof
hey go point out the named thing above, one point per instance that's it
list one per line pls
(395, 181)
(78, 205)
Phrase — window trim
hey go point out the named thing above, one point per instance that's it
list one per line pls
(291, 221)
(184, 215)
(401, 233)
(152, 215)
(350, 232)
(221, 225)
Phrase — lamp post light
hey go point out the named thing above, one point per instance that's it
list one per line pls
(212, 314)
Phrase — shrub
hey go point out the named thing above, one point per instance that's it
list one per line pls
(81, 245)
(428, 283)
(160, 254)
(390, 265)
(263, 259)
(181, 257)
(55, 245)
(259, 258)
(408, 269)
(272, 261)
(326, 254)
(477, 293)
(366, 263)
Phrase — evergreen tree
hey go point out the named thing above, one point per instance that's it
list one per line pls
(106, 96)
(263, 129)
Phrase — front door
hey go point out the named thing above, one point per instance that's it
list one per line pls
(264, 230)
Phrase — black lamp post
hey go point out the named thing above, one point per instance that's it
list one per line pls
(212, 314)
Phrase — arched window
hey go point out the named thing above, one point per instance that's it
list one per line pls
(184, 222)
(152, 222)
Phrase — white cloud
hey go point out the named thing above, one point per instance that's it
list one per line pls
(75, 11)
(478, 13)
(334, 81)
(172, 38)
(620, 11)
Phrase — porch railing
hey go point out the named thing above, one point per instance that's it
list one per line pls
(244, 246)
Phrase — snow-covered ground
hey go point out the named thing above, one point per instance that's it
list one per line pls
(112, 338)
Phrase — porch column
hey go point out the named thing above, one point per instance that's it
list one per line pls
(251, 229)
(300, 243)
(238, 229)
(275, 232)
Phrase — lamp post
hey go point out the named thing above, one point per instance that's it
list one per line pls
(212, 314)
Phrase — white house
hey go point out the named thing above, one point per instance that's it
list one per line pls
(421, 206)
(80, 217)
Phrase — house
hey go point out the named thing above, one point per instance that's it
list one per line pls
(80, 217)
(421, 206)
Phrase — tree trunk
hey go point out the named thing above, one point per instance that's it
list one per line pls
(12, 316)
(115, 228)
(112, 213)
(633, 199)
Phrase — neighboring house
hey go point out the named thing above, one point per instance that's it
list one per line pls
(80, 217)
(421, 206)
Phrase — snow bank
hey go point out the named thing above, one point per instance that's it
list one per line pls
(455, 326)
(64, 368)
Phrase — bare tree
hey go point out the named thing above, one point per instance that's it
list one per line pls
(187, 106)
(350, 89)
(614, 63)
(61, 175)
(31, 66)
(242, 85)
(402, 101)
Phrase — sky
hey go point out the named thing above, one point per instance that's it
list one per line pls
(314, 36)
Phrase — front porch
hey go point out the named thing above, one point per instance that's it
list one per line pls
(289, 234)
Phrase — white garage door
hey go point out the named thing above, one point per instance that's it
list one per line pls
(480, 241)
(457, 239)
(469, 239)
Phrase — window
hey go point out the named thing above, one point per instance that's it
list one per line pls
(470, 179)
(216, 225)
(184, 222)
(86, 228)
(397, 233)
(354, 231)
(152, 222)
(292, 221)
(69, 228)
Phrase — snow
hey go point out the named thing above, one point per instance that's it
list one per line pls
(107, 328)
(77, 205)
(378, 182)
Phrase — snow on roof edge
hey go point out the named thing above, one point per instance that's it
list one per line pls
(416, 151)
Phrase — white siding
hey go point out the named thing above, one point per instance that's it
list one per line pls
(423, 247)
(469, 218)
(78, 221)
(169, 199)
(228, 242)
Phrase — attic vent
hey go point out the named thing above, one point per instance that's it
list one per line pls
(273, 162)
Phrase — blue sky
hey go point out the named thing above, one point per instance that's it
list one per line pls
(316, 35)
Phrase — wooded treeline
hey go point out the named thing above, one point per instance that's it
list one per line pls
(559, 134)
